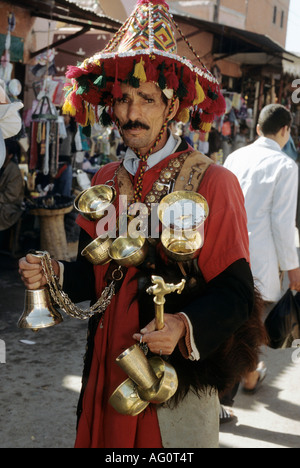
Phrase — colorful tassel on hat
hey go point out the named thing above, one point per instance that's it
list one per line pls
(132, 80)
(172, 79)
(105, 119)
(182, 91)
(83, 85)
(162, 82)
(196, 120)
(68, 108)
(200, 94)
(139, 72)
(205, 127)
(184, 115)
(101, 81)
(151, 71)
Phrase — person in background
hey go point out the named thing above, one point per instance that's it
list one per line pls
(10, 121)
(11, 191)
(269, 180)
(241, 138)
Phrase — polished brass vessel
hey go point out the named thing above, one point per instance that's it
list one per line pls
(42, 307)
(93, 202)
(183, 211)
(153, 380)
(181, 246)
(128, 251)
(39, 311)
(97, 252)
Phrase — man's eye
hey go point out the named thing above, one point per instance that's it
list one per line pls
(150, 101)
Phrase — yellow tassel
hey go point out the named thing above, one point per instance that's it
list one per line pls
(68, 108)
(139, 72)
(92, 116)
(184, 115)
(200, 94)
(87, 114)
(205, 127)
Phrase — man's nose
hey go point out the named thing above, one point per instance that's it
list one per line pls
(134, 112)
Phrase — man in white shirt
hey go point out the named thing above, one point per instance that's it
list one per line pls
(269, 180)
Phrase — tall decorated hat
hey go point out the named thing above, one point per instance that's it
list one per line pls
(144, 50)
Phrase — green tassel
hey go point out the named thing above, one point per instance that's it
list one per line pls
(101, 81)
(84, 86)
(213, 96)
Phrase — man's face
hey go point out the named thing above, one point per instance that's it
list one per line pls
(141, 114)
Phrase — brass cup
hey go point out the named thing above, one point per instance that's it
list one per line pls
(135, 364)
(128, 252)
(181, 246)
(97, 251)
(126, 400)
(184, 219)
(93, 202)
(166, 385)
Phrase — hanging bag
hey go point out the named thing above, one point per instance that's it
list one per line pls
(283, 318)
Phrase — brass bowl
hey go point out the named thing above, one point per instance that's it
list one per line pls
(93, 202)
(181, 246)
(166, 386)
(128, 252)
(183, 210)
(97, 251)
(126, 400)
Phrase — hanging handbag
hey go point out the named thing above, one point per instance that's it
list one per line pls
(283, 318)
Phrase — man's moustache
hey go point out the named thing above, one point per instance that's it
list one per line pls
(135, 125)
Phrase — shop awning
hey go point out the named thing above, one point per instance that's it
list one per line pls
(68, 12)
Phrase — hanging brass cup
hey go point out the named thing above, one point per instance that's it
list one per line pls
(135, 364)
(165, 386)
(183, 211)
(93, 202)
(97, 251)
(181, 246)
(129, 252)
(126, 400)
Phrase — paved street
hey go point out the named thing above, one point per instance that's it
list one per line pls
(40, 381)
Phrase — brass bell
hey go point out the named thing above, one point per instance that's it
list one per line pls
(39, 311)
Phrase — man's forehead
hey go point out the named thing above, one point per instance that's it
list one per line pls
(144, 88)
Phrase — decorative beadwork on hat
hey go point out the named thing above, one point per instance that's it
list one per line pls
(144, 49)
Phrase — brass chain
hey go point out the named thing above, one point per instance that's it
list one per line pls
(63, 300)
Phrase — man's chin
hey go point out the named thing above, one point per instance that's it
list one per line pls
(133, 139)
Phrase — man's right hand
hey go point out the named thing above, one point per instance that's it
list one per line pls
(31, 271)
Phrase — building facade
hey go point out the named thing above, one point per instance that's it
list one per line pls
(268, 17)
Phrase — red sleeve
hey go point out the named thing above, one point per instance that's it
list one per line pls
(225, 235)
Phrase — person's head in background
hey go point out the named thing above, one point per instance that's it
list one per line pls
(275, 122)
(12, 151)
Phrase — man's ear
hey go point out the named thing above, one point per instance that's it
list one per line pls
(258, 130)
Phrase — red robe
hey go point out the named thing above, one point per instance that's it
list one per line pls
(225, 241)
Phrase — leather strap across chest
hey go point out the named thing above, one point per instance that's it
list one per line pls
(184, 172)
